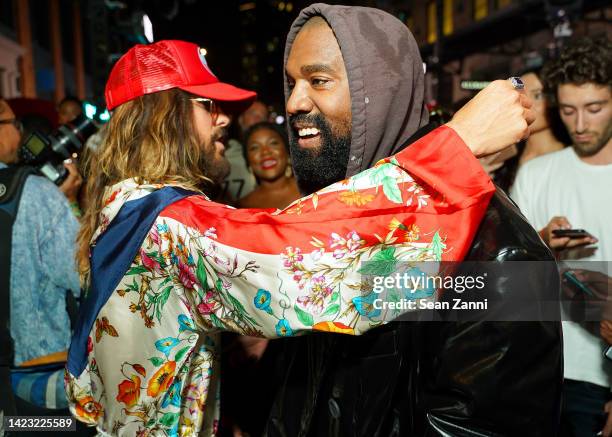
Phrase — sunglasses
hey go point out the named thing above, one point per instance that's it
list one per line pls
(207, 104)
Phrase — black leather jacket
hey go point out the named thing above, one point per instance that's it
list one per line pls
(446, 378)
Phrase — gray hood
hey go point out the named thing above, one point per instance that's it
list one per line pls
(385, 74)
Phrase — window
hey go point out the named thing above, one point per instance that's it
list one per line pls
(447, 23)
(432, 33)
(481, 9)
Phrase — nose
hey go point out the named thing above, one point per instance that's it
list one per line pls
(581, 124)
(299, 102)
(266, 150)
(222, 119)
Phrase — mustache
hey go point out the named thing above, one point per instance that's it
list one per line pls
(314, 119)
(220, 134)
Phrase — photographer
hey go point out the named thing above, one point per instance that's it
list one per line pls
(37, 279)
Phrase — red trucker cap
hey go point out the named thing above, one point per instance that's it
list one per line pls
(163, 65)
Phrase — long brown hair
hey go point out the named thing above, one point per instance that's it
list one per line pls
(151, 138)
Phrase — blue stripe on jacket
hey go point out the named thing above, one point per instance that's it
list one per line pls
(111, 258)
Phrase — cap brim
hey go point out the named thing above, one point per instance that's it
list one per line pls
(236, 99)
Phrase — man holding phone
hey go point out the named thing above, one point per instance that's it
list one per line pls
(568, 196)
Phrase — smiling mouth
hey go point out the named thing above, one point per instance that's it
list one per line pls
(308, 132)
(308, 137)
(268, 164)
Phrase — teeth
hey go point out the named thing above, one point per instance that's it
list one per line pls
(308, 131)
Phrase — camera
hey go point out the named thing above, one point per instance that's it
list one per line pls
(47, 153)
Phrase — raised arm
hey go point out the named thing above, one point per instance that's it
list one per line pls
(275, 273)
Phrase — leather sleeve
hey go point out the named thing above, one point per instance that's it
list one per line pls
(497, 377)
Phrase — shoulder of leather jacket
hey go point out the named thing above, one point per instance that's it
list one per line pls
(370, 395)
(505, 235)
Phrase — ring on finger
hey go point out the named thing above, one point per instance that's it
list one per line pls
(517, 82)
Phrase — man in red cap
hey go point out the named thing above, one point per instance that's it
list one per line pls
(167, 269)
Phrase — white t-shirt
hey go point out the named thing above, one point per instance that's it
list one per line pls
(560, 184)
(240, 181)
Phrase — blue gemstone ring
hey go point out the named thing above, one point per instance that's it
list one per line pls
(517, 83)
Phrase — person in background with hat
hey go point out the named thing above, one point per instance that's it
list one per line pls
(167, 269)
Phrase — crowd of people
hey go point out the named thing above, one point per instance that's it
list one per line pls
(162, 286)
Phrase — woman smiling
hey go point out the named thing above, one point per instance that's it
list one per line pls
(267, 155)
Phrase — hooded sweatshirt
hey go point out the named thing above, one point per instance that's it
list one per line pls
(366, 386)
(386, 83)
(385, 74)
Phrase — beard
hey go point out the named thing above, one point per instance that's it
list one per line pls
(592, 148)
(318, 168)
(214, 166)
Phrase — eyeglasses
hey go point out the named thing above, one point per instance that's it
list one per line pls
(207, 104)
(14, 122)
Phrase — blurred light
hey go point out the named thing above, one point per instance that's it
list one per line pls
(281, 6)
(112, 4)
(93, 112)
(147, 27)
(90, 110)
(247, 6)
(138, 28)
(289, 7)
(203, 51)
(279, 119)
(105, 116)
(474, 85)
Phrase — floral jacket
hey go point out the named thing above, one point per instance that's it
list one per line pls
(152, 355)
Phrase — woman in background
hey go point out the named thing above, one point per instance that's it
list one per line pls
(250, 362)
(547, 136)
(542, 139)
(267, 155)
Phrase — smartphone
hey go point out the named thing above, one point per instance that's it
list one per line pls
(608, 352)
(576, 284)
(571, 233)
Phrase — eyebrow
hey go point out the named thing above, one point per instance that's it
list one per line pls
(597, 102)
(316, 68)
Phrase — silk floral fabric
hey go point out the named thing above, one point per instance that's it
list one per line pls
(153, 352)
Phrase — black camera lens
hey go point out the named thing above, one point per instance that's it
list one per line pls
(48, 152)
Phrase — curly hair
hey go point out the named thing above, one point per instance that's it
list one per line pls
(587, 60)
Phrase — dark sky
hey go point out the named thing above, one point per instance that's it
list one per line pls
(214, 25)
(221, 28)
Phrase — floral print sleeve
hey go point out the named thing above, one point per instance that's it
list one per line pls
(205, 268)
